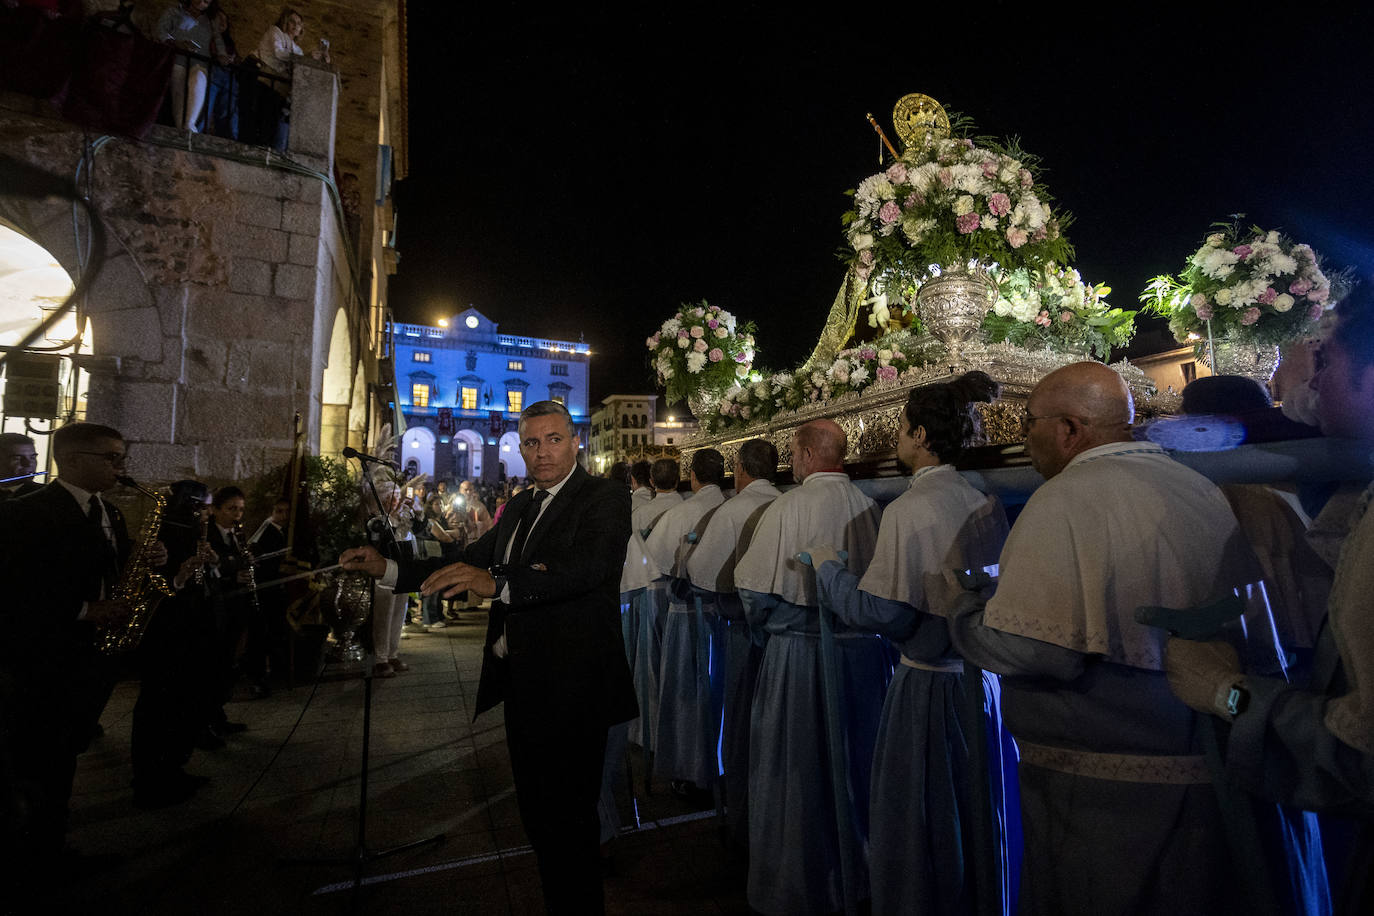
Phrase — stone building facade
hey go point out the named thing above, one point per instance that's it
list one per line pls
(461, 387)
(621, 428)
(241, 286)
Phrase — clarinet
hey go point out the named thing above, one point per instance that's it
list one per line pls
(246, 557)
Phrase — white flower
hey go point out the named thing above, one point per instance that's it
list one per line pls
(874, 187)
(963, 204)
(695, 361)
(1025, 310)
(1002, 308)
(1283, 303)
(1223, 296)
(861, 241)
(671, 326)
(721, 332)
(741, 369)
(761, 390)
(858, 376)
(682, 342)
(989, 222)
(1215, 240)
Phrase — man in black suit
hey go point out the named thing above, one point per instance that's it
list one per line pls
(554, 652)
(61, 551)
(18, 462)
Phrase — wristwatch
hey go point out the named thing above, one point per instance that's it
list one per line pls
(1237, 698)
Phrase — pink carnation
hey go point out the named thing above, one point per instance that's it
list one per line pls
(887, 373)
(999, 204)
(713, 324)
(683, 333)
(716, 355)
(896, 172)
(989, 168)
(1016, 237)
(1027, 179)
(890, 212)
(1300, 287)
(1267, 297)
(1242, 251)
(898, 354)
(1314, 313)
(913, 200)
(868, 353)
(967, 223)
(1250, 316)
(1040, 234)
(1319, 296)
(946, 177)
(1204, 312)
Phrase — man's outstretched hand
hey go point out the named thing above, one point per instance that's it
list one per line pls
(363, 559)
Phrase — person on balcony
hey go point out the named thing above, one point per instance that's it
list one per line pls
(275, 54)
(185, 26)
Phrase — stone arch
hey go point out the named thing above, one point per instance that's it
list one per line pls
(509, 450)
(336, 386)
(417, 443)
(357, 410)
(470, 443)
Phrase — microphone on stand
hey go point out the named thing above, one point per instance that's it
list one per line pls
(351, 452)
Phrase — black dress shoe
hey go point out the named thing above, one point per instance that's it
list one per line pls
(230, 728)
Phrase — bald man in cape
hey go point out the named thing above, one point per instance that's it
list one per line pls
(794, 856)
(1118, 810)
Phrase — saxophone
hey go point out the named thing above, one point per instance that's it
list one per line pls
(138, 587)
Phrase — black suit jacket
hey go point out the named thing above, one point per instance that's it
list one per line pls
(50, 564)
(565, 665)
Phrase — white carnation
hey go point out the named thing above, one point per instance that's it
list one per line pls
(695, 361)
(963, 204)
(989, 222)
(1002, 308)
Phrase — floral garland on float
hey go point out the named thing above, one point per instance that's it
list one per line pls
(1052, 307)
(1241, 295)
(700, 352)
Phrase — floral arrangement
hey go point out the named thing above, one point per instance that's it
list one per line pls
(1052, 304)
(701, 348)
(1249, 284)
(884, 362)
(951, 203)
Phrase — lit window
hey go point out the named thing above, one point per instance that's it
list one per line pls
(559, 399)
(420, 356)
(469, 398)
(515, 365)
(515, 401)
(558, 369)
(419, 395)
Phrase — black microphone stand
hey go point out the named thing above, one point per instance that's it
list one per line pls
(360, 855)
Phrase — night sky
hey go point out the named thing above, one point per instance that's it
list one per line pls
(581, 175)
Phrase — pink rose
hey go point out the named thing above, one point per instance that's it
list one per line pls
(1267, 297)
(1066, 316)
(1250, 316)
(1016, 237)
(896, 172)
(999, 204)
(697, 331)
(716, 355)
(913, 200)
(1242, 251)
(699, 346)
(887, 374)
(890, 212)
(967, 223)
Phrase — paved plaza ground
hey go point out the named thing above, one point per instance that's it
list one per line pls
(288, 788)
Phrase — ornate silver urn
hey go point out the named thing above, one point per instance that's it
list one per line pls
(952, 307)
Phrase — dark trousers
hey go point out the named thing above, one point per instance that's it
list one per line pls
(557, 784)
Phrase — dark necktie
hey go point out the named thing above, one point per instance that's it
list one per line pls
(527, 519)
(109, 560)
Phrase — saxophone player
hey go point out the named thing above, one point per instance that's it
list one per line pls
(61, 551)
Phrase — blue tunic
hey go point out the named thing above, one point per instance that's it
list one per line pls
(794, 852)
